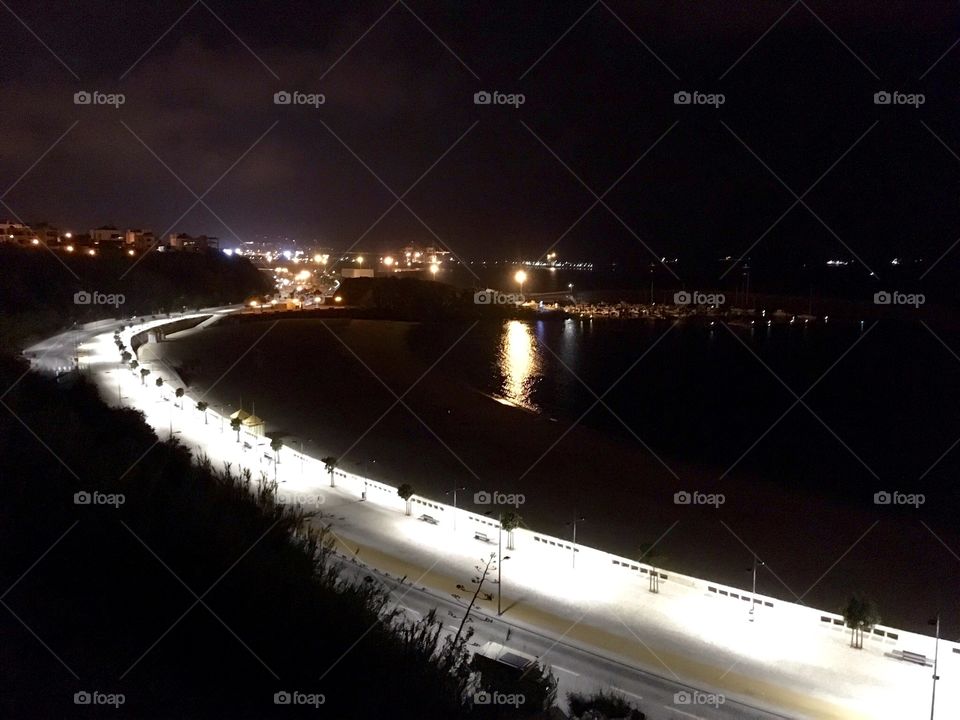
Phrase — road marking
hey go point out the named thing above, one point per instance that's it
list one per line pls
(557, 667)
(627, 692)
(697, 717)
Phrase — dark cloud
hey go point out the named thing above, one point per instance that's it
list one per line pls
(402, 96)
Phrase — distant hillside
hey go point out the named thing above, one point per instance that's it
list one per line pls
(38, 289)
(413, 299)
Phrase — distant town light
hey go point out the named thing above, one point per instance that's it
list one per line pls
(69, 248)
(359, 259)
(91, 252)
(303, 275)
(388, 261)
(68, 235)
(254, 303)
(520, 277)
(35, 241)
(131, 253)
(434, 268)
(338, 299)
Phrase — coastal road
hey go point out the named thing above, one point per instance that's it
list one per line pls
(576, 669)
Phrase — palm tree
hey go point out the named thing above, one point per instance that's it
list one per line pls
(649, 553)
(125, 356)
(143, 375)
(179, 394)
(276, 445)
(235, 423)
(330, 463)
(159, 382)
(510, 521)
(406, 492)
(134, 364)
(202, 407)
(860, 614)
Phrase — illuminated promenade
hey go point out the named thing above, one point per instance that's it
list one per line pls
(597, 624)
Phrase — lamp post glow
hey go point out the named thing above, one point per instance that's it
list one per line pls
(434, 269)
(520, 277)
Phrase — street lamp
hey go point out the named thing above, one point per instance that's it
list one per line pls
(936, 652)
(753, 600)
(574, 523)
(434, 269)
(520, 277)
(454, 493)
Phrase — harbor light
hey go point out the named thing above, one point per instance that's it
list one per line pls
(520, 277)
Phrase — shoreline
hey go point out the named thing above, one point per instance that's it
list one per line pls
(343, 401)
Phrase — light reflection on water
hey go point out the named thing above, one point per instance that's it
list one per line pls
(519, 362)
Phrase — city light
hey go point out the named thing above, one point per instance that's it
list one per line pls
(69, 248)
(434, 269)
(388, 261)
(360, 260)
(338, 299)
(91, 252)
(520, 277)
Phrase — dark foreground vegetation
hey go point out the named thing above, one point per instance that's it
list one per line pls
(189, 591)
(38, 289)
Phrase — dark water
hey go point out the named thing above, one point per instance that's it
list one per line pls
(878, 410)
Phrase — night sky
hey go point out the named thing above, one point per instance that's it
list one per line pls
(493, 181)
